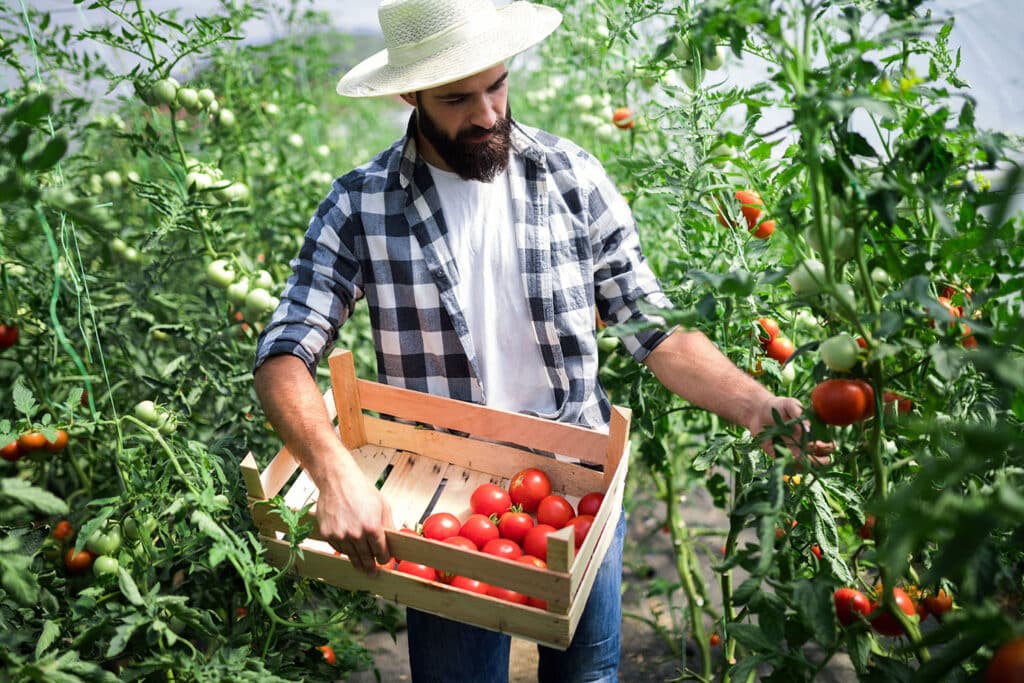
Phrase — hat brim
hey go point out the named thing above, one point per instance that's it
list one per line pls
(520, 25)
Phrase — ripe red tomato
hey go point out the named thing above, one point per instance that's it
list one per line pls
(8, 336)
(416, 569)
(58, 443)
(441, 525)
(1007, 664)
(513, 525)
(590, 503)
(843, 401)
(539, 564)
(328, 653)
(490, 499)
(901, 403)
(506, 594)
(78, 563)
(867, 529)
(886, 623)
(471, 585)
(479, 529)
(751, 206)
(816, 551)
(536, 541)
(528, 488)
(780, 349)
(582, 523)
(940, 603)
(554, 510)
(850, 603)
(11, 452)
(623, 118)
(767, 330)
(63, 531)
(31, 441)
(502, 547)
(715, 639)
(763, 231)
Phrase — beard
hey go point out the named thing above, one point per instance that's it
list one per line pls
(469, 160)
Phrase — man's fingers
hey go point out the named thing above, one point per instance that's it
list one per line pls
(379, 547)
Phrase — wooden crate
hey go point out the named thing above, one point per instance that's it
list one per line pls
(425, 470)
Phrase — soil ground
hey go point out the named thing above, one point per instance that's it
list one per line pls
(646, 655)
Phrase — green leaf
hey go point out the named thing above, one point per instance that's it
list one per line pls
(122, 635)
(128, 587)
(32, 497)
(753, 637)
(24, 401)
(746, 667)
(814, 604)
(18, 579)
(54, 150)
(49, 634)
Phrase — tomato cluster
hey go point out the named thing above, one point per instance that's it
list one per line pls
(32, 441)
(513, 524)
(753, 212)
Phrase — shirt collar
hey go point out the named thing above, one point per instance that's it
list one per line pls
(522, 144)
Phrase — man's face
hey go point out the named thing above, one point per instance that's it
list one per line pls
(467, 124)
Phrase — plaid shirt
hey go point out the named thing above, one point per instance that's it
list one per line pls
(380, 234)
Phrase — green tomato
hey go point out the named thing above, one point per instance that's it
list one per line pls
(264, 279)
(688, 75)
(147, 412)
(118, 245)
(270, 109)
(189, 99)
(880, 277)
(839, 353)
(164, 91)
(607, 344)
(845, 295)
(237, 291)
(104, 565)
(205, 96)
(198, 180)
(807, 278)
(713, 61)
(258, 302)
(788, 373)
(134, 531)
(220, 273)
(105, 541)
(225, 118)
(112, 179)
(844, 243)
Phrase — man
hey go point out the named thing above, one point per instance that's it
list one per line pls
(482, 247)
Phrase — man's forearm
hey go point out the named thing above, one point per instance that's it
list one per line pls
(690, 366)
(294, 405)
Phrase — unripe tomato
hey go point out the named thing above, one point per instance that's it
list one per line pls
(105, 541)
(104, 565)
(623, 118)
(259, 302)
(220, 273)
(688, 75)
(842, 401)
(237, 290)
(780, 349)
(806, 279)
(164, 91)
(713, 59)
(839, 353)
(189, 99)
(147, 412)
(225, 118)
(206, 96)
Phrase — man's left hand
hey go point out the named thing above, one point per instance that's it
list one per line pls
(789, 409)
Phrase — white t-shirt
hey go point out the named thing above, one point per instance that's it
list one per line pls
(482, 239)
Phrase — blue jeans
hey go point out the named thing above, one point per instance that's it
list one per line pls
(445, 651)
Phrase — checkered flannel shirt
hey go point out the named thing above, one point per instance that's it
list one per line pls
(380, 235)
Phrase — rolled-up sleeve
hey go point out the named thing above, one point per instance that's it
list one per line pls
(622, 275)
(322, 289)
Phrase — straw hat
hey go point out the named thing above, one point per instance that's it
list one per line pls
(433, 42)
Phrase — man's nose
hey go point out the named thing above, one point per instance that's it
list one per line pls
(484, 115)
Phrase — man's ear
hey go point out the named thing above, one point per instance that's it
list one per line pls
(410, 98)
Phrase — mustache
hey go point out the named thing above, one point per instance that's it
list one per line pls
(477, 131)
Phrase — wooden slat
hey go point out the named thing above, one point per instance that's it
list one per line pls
(373, 460)
(582, 594)
(611, 508)
(525, 622)
(251, 477)
(488, 423)
(411, 485)
(346, 399)
(303, 492)
(561, 550)
(482, 456)
(618, 440)
(278, 472)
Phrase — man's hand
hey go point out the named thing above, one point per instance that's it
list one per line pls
(789, 409)
(352, 518)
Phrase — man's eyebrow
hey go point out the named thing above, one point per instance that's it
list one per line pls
(492, 86)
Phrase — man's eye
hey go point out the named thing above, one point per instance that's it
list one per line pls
(457, 100)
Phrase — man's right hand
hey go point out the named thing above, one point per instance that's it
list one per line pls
(352, 517)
